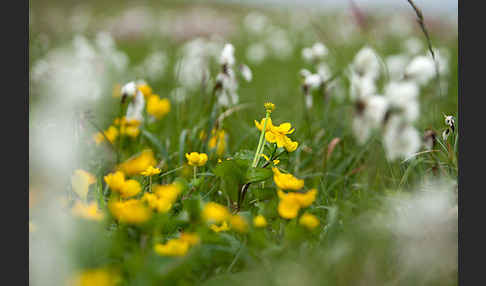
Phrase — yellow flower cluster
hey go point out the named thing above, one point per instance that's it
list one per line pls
(216, 213)
(278, 134)
(291, 203)
(196, 159)
(139, 163)
(80, 182)
(111, 134)
(98, 277)
(126, 188)
(128, 127)
(130, 211)
(87, 211)
(286, 181)
(269, 107)
(178, 246)
(158, 107)
(163, 197)
(150, 171)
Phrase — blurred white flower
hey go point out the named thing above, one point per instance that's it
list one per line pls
(279, 43)
(246, 72)
(227, 55)
(361, 86)
(256, 53)
(255, 22)
(413, 46)
(317, 52)
(366, 63)
(421, 69)
(400, 139)
(396, 65)
(324, 71)
(129, 89)
(403, 95)
(370, 115)
(136, 107)
(153, 66)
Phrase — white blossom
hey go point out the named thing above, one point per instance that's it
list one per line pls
(246, 72)
(403, 96)
(421, 69)
(361, 86)
(366, 63)
(396, 65)
(400, 139)
(371, 116)
(227, 55)
(256, 53)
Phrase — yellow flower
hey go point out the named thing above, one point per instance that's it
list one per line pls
(218, 141)
(168, 192)
(269, 107)
(98, 277)
(259, 221)
(130, 188)
(157, 107)
(196, 159)
(80, 182)
(150, 171)
(138, 164)
(286, 181)
(191, 238)
(292, 202)
(238, 223)
(309, 221)
(128, 127)
(278, 134)
(115, 180)
(111, 133)
(276, 161)
(288, 207)
(130, 211)
(145, 89)
(215, 212)
(223, 227)
(163, 197)
(87, 211)
(306, 199)
(173, 247)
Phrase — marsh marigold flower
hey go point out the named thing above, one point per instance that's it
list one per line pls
(87, 211)
(310, 221)
(259, 221)
(291, 203)
(286, 181)
(196, 159)
(111, 134)
(215, 212)
(126, 188)
(158, 107)
(138, 164)
(173, 247)
(145, 89)
(163, 197)
(150, 171)
(130, 211)
(238, 223)
(278, 134)
(223, 227)
(80, 182)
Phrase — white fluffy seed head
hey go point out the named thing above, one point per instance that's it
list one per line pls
(319, 50)
(313, 81)
(129, 89)
(227, 55)
(400, 139)
(361, 86)
(375, 107)
(366, 63)
(421, 69)
(403, 96)
(246, 72)
(396, 65)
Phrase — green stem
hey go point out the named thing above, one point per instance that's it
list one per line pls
(260, 142)
(195, 172)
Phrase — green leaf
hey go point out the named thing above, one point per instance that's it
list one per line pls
(254, 175)
(156, 143)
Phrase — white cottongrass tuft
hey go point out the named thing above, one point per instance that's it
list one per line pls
(370, 117)
(400, 139)
(403, 96)
(413, 46)
(246, 72)
(256, 53)
(361, 86)
(227, 55)
(366, 63)
(396, 65)
(421, 69)
(317, 52)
